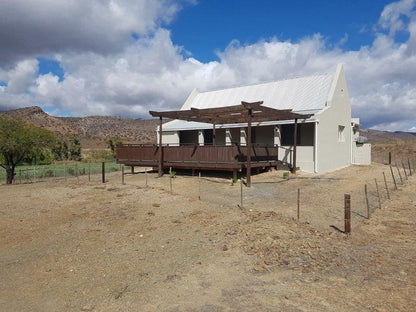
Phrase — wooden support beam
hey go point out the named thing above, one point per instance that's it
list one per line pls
(213, 134)
(160, 169)
(249, 113)
(295, 136)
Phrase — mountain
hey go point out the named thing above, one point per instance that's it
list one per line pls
(93, 131)
(377, 136)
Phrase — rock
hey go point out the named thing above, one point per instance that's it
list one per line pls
(88, 307)
(312, 244)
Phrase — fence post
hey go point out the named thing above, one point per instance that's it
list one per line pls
(366, 201)
(298, 212)
(103, 171)
(347, 213)
(410, 169)
(122, 174)
(389, 158)
(394, 180)
(404, 169)
(378, 194)
(400, 175)
(385, 184)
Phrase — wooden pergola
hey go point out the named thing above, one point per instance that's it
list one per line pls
(244, 113)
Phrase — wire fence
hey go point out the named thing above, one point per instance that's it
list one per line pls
(84, 171)
(315, 200)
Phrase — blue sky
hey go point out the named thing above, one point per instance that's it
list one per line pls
(209, 26)
(126, 57)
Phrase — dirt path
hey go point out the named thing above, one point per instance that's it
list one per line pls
(92, 247)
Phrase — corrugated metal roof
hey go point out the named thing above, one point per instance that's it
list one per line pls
(303, 95)
(299, 94)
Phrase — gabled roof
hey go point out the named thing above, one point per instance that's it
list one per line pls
(306, 95)
(298, 94)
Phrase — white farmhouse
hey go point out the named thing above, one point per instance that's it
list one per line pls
(326, 141)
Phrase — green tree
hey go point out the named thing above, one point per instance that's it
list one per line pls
(113, 143)
(75, 149)
(19, 140)
(60, 150)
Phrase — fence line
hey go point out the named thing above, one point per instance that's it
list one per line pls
(30, 174)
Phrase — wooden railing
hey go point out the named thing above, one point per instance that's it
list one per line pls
(217, 156)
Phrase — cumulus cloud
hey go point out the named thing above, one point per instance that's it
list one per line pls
(153, 73)
(30, 27)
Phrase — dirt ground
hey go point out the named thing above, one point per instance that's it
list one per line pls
(74, 245)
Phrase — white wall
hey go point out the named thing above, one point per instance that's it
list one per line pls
(331, 153)
(362, 154)
(169, 137)
(304, 157)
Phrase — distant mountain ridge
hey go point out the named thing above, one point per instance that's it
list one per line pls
(93, 131)
(378, 136)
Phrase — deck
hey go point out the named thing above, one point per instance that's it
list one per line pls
(207, 157)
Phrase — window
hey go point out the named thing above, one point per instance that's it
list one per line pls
(341, 134)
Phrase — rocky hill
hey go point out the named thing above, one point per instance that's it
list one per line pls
(93, 131)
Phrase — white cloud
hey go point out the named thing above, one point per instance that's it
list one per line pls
(153, 73)
(28, 27)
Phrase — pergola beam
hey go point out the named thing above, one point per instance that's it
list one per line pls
(244, 113)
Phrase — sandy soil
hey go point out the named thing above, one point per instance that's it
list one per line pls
(83, 246)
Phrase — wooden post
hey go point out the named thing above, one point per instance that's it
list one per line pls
(295, 134)
(213, 134)
(103, 171)
(394, 180)
(160, 171)
(347, 213)
(76, 171)
(378, 194)
(400, 175)
(132, 169)
(199, 186)
(298, 204)
(410, 169)
(366, 201)
(404, 169)
(249, 147)
(389, 158)
(122, 174)
(241, 193)
(385, 184)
